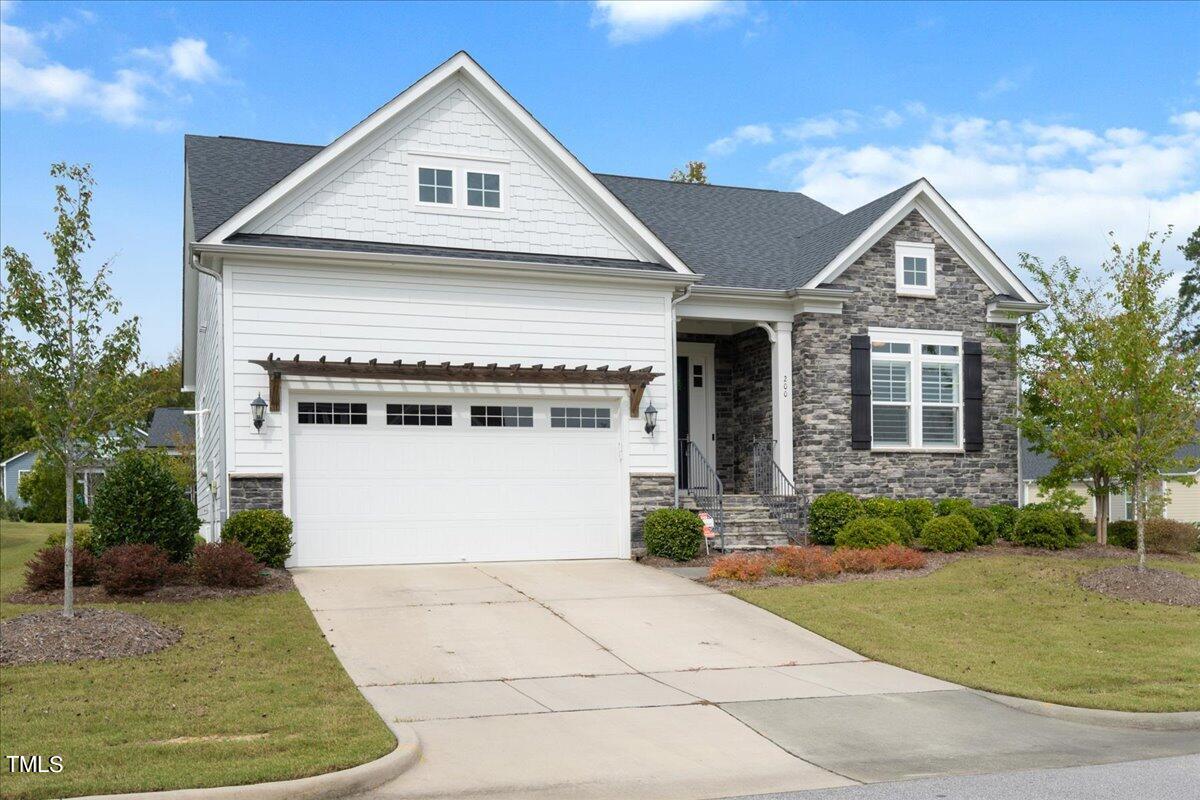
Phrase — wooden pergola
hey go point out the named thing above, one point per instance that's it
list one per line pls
(399, 370)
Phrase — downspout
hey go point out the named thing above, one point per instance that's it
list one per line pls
(675, 301)
(198, 265)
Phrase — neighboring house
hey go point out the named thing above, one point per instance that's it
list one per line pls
(470, 347)
(11, 470)
(1181, 502)
(169, 429)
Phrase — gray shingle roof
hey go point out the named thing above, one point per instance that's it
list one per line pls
(738, 237)
(167, 426)
(1038, 465)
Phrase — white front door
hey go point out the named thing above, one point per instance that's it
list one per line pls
(421, 479)
(701, 399)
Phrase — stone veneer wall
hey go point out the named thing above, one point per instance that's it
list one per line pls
(255, 491)
(824, 460)
(647, 493)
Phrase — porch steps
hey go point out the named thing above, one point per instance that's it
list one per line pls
(749, 524)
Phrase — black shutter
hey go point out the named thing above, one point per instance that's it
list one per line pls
(860, 392)
(973, 396)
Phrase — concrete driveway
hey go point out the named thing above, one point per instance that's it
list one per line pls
(610, 679)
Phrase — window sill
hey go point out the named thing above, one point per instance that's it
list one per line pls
(908, 291)
(942, 450)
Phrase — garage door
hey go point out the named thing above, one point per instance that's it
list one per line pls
(400, 480)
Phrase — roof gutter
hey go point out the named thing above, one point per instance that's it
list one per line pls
(1010, 311)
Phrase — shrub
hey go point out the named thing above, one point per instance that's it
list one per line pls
(266, 534)
(44, 490)
(45, 570)
(984, 524)
(1005, 516)
(829, 514)
(948, 534)
(903, 529)
(894, 556)
(1123, 533)
(917, 511)
(952, 505)
(83, 538)
(9, 511)
(1042, 527)
(140, 502)
(865, 533)
(226, 564)
(1169, 536)
(745, 567)
(133, 569)
(809, 563)
(861, 561)
(674, 533)
(881, 507)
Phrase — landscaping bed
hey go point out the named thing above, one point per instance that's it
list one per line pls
(182, 591)
(49, 637)
(1151, 586)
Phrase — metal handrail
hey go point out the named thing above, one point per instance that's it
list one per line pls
(779, 494)
(704, 485)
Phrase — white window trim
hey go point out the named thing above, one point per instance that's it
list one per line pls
(923, 250)
(454, 186)
(915, 360)
(459, 166)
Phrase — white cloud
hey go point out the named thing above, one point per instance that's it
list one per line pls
(825, 127)
(743, 134)
(1001, 86)
(32, 80)
(636, 20)
(1188, 119)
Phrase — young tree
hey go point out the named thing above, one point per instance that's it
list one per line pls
(694, 172)
(60, 339)
(1068, 409)
(1158, 383)
(1189, 294)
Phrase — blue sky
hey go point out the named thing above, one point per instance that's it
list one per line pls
(1046, 125)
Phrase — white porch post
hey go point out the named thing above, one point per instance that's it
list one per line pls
(781, 396)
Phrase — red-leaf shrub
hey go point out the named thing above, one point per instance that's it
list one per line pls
(45, 570)
(809, 563)
(858, 560)
(133, 569)
(895, 556)
(745, 567)
(226, 564)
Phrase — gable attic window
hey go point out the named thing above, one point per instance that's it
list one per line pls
(436, 186)
(483, 189)
(914, 269)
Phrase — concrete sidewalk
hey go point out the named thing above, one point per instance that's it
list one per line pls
(608, 679)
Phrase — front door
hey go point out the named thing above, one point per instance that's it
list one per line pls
(696, 399)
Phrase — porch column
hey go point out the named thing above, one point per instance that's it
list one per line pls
(781, 396)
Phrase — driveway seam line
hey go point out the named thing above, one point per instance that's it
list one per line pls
(789, 752)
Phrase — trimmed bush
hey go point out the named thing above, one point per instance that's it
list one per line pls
(226, 564)
(674, 533)
(1123, 533)
(745, 567)
(809, 563)
(949, 534)
(894, 556)
(1005, 517)
(1042, 527)
(866, 533)
(45, 571)
(859, 561)
(829, 514)
(133, 569)
(140, 502)
(266, 534)
(1169, 536)
(903, 529)
(881, 507)
(984, 524)
(83, 538)
(952, 505)
(916, 511)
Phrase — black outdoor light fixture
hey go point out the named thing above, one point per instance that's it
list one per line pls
(651, 415)
(258, 409)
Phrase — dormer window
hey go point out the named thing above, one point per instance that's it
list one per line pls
(436, 186)
(914, 269)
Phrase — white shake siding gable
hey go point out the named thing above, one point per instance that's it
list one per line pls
(387, 313)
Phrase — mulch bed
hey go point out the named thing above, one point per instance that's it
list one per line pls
(1152, 586)
(185, 591)
(48, 636)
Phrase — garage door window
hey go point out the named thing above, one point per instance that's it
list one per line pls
(331, 413)
(501, 416)
(413, 414)
(579, 418)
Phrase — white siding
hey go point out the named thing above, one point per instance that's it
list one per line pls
(210, 427)
(373, 199)
(384, 313)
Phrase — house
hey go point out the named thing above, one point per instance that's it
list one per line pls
(11, 471)
(170, 429)
(442, 338)
(1180, 501)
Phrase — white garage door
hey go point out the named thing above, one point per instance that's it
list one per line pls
(402, 480)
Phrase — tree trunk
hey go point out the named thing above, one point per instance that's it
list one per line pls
(69, 544)
(1139, 511)
(1103, 507)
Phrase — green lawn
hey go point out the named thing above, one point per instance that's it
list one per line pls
(1014, 625)
(252, 690)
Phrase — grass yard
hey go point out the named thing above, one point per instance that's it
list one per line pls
(251, 693)
(1015, 625)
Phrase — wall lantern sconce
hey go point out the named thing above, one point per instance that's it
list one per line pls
(258, 409)
(651, 415)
